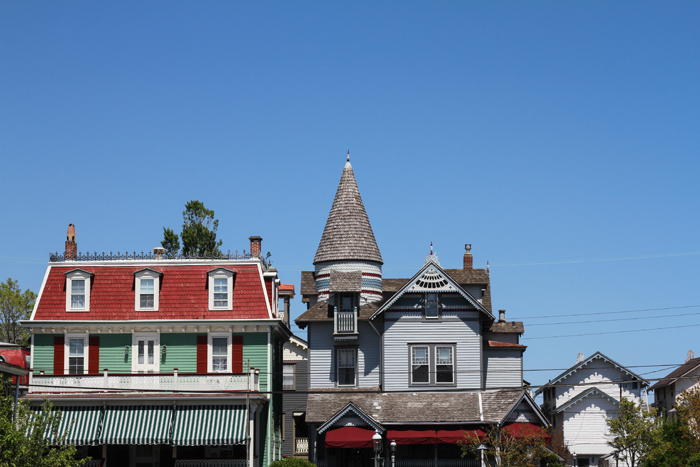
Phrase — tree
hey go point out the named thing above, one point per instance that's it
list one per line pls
(505, 450)
(688, 407)
(198, 232)
(292, 462)
(23, 442)
(634, 433)
(15, 305)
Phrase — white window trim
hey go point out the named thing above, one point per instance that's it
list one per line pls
(410, 357)
(432, 364)
(66, 351)
(135, 349)
(294, 376)
(137, 289)
(79, 275)
(221, 274)
(337, 367)
(210, 352)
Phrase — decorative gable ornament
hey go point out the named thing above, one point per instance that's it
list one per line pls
(432, 281)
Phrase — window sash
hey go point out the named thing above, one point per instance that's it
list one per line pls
(346, 367)
(77, 296)
(76, 356)
(220, 293)
(431, 305)
(288, 376)
(432, 364)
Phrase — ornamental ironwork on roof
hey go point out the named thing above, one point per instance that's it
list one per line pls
(348, 234)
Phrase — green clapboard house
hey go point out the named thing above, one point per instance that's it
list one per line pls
(161, 361)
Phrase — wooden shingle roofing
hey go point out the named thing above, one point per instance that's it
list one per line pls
(348, 234)
(678, 373)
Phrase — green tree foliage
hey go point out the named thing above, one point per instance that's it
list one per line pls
(198, 232)
(678, 440)
(634, 433)
(15, 305)
(505, 450)
(20, 449)
(292, 462)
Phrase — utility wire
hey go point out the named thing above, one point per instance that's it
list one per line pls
(616, 319)
(613, 312)
(611, 332)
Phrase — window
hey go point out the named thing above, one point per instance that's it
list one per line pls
(76, 356)
(346, 302)
(220, 288)
(288, 376)
(431, 305)
(420, 364)
(432, 364)
(346, 367)
(219, 353)
(147, 286)
(630, 385)
(78, 290)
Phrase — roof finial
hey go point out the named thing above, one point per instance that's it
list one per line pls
(348, 155)
(431, 248)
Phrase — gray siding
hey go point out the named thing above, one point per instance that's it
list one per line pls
(294, 401)
(400, 329)
(321, 350)
(503, 368)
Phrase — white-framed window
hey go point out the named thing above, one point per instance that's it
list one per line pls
(432, 364)
(76, 354)
(631, 385)
(221, 289)
(147, 289)
(145, 353)
(288, 380)
(78, 290)
(219, 353)
(346, 366)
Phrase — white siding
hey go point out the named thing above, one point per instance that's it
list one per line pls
(400, 329)
(585, 426)
(503, 368)
(599, 374)
(321, 351)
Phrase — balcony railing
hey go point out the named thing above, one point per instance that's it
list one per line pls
(345, 322)
(144, 382)
(301, 446)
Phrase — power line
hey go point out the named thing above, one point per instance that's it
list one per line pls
(613, 312)
(616, 319)
(613, 332)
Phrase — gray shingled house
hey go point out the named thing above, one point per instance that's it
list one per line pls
(420, 360)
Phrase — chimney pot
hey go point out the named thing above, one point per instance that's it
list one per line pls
(71, 252)
(468, 258)
(501, 316)
(159, 251)
(255, 245)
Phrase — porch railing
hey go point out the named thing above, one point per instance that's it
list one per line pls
(144, 381)
(345, 321)
(301, 446)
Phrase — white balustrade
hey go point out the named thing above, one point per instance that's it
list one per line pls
(211, 463)
(345, 321)
(301, 446)
(145, 381)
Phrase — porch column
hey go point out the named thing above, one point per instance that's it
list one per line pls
(252, 437)
(312, 444)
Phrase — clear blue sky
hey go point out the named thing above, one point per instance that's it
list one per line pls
(550, 135)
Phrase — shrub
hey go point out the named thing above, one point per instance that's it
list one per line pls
(292, 462)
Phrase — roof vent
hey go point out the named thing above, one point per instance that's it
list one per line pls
(691, 355)
(501, 316)
(579, 357)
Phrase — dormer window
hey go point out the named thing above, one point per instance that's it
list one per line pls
(431, 305)
(221, 289)
(147, 290)
(78, 290)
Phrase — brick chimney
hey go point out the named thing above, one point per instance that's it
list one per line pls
(71, 247)
(255, 245)
(468, 258)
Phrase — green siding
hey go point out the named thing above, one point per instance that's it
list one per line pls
(180, 353)
(112, 355)
(255, 355)
(43, 353)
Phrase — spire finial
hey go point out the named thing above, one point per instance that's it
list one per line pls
(348, 155)
(431, 248)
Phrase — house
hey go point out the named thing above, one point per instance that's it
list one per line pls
(580, 400)
(161, 360)
(667, 389)
(14, 362)
(295, 384)
(421, 361)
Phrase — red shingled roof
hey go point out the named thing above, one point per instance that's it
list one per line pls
(287, 287)
(183, 294)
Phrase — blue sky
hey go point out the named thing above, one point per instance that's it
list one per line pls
(560, 139)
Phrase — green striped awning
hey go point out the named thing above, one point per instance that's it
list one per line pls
(80, 425)
(137, 424)
(197, 425)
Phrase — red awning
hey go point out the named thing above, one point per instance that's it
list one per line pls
(412, 436)
(456, 436)
(526, 430)
(349, 437)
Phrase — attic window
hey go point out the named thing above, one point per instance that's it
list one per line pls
(147, 288)
(78, 290)
(220, 289)
(431, 305)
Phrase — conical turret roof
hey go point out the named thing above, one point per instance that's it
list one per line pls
(348, 234)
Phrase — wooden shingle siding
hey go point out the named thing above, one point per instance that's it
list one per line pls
(255, 355)
(43, 353)
(321, 354)
(398, 333)
(502, 368)
(112, 355)
(181, 353)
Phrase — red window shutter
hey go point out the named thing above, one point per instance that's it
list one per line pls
(94, 355)
(59, 351)
(236, 354)
(201, 354)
